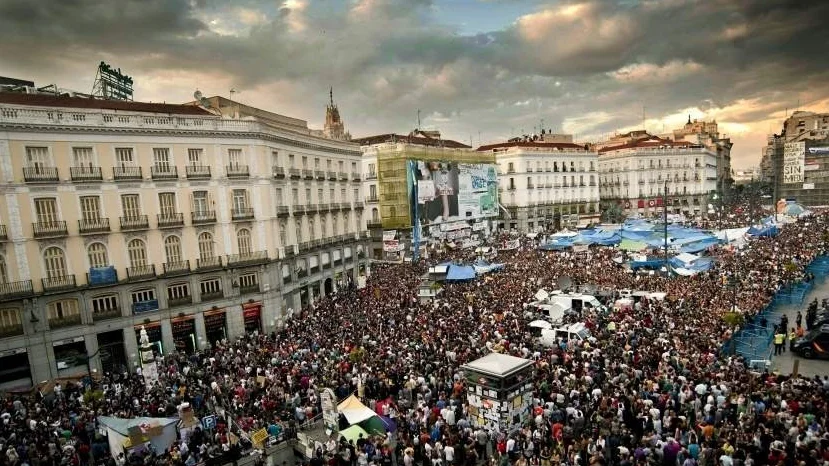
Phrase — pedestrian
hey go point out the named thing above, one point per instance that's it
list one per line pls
(779, 340)
(792, 338)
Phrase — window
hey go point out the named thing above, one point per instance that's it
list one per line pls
(97, 255)
(104, 304)
(240, 199)
(194, 157)
(372, 169)
(335, 224)
(291, 161)
(316, 163)
(591, 166)
(90, 208)
(167, 204)
(372, 192)
(142, 296)
(320, 196)
(201, 203)
(243, 241)
(46, 210)
(161, 160)
(178, 291)
(328, 164)
(62, 309)
(137, 253)
(342, 194)
(356, 193)
(234, 158)
(312, 232)
(304, 162)
(206, 249)
(275, 158)
(341, 165)
(283, 234)
(10, 318)
(55, 262)
(308, 198)
(131, 205)
(347, 224)
(82, 156)
(295, 196)
(4, 272)
(124, 157)
(323, 227)
(298, 231)
(210, 287)
(248, 280)
(38, 158)
(172, 249)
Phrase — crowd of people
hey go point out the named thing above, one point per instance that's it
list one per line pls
(652, 386)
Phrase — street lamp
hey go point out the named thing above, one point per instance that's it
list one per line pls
(665, 224)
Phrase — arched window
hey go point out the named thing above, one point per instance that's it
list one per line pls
(243, 241)
(4, 272)
(97, 253)
(172, 248)
(375, 215)
(346, 223)
(298, 231)
(137, 253)
(323, 227)
(283, 232)
(335, 224)
(206, 246)
(55, 262)
(312, 233)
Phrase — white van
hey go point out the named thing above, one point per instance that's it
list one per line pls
(550, 337)
(575, 301)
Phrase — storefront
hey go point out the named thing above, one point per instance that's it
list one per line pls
(70, 355)
(252, 315)
(14, 369)
(111, 351)
(154, 336)
(184, 334)
(215, 325)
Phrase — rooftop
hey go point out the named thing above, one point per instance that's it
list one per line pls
(419, 138)
(546, 145)
(48, 100)
(650, 143)
(497, 364)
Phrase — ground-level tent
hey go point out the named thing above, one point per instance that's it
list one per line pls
(124, 434)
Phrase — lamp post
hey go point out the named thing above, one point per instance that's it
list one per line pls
(665, 223)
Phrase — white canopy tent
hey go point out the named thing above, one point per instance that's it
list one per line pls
(354, 410)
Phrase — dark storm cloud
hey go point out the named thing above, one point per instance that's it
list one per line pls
(561, 60)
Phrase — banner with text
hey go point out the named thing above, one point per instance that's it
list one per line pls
(448, 191)
(794, 160)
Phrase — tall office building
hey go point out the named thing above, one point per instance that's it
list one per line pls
(195, 222)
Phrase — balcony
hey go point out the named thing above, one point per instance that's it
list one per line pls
(180, 301)
(359, 205)
(93, 225)
(278, 172)
(53, 229)
(136, 222)
(282, 211)
(324, 207)
(170, 220)
(40, 174)
(61, 283)
(289, 251)
(372, 199)
(127, 174)
(530, 186)
(66, 321)
(203, 217)
(311, 209)
(237, 171)
(11, 331)
(141, 272)
(164, 173)
(13, 290)
(305, 246)
(198, 172)
(249, 288)
(319, 175)
(176, 268)
(371, 176)
(107, 276)
(247, 258)
(108, 314)
(345, 205)
(209, 263)
(308, 174)
(209, 296)
(241, 213)
(343, 176)
(332, 176)
(86, 174)
(355, 176)
(4, 235)
(294, 173)
(299, 209)
(374, 224)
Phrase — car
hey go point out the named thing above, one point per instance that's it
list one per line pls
(814, 344)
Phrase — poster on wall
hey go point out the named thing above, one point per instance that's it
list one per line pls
(794, 159)
(389, 235)
(449, 191)
(392, 246)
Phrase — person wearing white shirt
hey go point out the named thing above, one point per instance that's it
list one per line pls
(449, 454)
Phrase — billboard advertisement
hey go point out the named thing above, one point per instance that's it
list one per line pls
(449, 191)
(794, 161)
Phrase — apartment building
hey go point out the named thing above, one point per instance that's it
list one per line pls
(196, 223)
(633, 177)
(546, 184)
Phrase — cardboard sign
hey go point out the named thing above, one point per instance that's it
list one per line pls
(258, 438)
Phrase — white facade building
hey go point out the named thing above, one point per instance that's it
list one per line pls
(633, 177)
(546, 184)
(122, 215)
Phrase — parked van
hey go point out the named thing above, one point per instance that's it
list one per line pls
(550, 337)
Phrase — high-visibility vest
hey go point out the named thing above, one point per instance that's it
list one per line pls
(792, 336)
(779, 338)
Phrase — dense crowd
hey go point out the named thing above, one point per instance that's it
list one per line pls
(652, 387)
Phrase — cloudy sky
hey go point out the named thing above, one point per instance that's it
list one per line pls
(477, 69)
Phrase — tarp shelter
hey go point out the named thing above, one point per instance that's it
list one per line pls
(460, 273)
(769, 231)
(481, 267)
(632, 245)
(353, 433)
(354, 411)
(160, 432)
(379, 425)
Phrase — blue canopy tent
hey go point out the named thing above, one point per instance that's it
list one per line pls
(460, 273)
(768, 231)
(699, 246)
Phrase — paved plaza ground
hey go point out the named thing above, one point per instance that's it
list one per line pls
(785, 362)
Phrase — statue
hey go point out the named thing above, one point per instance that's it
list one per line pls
(144, 339)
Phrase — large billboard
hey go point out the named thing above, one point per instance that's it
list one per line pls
(794, 155)
(449, 191)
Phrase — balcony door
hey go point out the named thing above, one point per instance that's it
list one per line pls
(90, 209)
(46, 211)
(132, 206)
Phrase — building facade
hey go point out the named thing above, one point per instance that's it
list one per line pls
(386, 165)
(707, 134)
(806, 134)
(546, 184)
(194, 226)
(633, 177)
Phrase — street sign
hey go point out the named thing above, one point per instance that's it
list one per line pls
(209, 422)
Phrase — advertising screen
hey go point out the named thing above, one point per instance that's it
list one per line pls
(448, 191)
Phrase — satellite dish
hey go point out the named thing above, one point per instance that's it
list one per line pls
(564, 283)
(197, 95)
